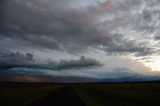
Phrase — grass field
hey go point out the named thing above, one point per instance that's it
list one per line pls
(116, 94)
(22, 94)
(120, 94)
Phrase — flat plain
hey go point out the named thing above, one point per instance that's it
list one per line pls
(109, 94)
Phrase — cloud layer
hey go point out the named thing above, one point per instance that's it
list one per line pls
(19, 60)
(78, 27)
(112, 26)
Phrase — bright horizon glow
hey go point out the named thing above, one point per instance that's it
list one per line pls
(153, 62)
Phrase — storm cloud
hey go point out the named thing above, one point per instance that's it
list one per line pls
(53, 25)
(20, 60)
(82, 62)
(93, 29)
(15, 59)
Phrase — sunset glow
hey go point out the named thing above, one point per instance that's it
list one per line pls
(154, 64)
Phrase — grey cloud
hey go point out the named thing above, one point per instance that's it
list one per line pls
(124, 46)
(15, 59)
(58, 31)
(157, 37)
(19, 60)
(82, 62)
(53, 25)
(118, 27)
(124, 72)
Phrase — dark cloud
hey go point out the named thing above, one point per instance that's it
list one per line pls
(19, 60)
(121, 27)
(53, 25)
(157, 37)
(82, 62)
(15, 59)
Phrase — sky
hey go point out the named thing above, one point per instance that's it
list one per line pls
(79, 40)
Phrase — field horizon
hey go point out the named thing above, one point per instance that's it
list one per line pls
(80, 94)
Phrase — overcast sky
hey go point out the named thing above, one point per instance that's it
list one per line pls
(99, 39)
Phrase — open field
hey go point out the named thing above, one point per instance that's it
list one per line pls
(120, 94)
(116, 94)
(22, 94)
